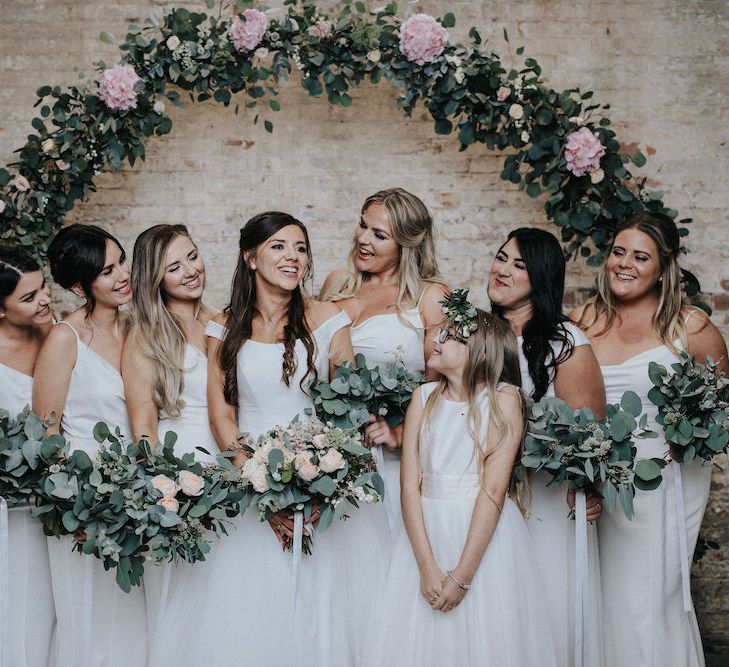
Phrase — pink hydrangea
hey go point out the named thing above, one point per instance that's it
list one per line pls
(246, 31)
(583, 151)
(117, 88)
(422, 39)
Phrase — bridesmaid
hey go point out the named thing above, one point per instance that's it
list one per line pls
(264, 351)
(164, 362)
(77, 382)
(526, 286)
(638, 316)
(25, 318)
(392, 292)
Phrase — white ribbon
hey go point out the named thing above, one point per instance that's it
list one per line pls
(4, 584)
(296, 562)
(581, 575)
(683, 553)
(87, 608)
(379, 459)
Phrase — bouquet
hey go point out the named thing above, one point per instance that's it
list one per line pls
(357, 391)
(693, 407)
(588, 453)
(308, 464)
(133, 505)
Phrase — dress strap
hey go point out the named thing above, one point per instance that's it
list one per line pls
(215, 330)
(78, 338)
(422, 294)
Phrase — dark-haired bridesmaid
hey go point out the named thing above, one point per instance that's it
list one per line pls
(77, 383)
(25, 318)
(526, 286)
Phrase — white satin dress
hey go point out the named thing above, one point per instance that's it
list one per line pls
(645, 624)
(242, 612)
(31, 618)
(117, 633)
(553, 541)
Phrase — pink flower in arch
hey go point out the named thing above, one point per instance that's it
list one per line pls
(583, 151)
(117, 88)
(422, 39)
(247, 30)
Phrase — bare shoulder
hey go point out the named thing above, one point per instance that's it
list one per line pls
(704, 338)
(318, 312)
(580, 313)
(207, 313)
(509, 399)
(333, 281)
(430, 307)
(61, 336)
(695, 320)
(220, 318)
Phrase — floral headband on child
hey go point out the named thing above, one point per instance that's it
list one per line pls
(460, 314)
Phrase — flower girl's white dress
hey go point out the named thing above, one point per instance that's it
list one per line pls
(242, 611)
(502, 620)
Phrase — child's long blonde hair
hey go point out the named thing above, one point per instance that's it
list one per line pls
(493, 358)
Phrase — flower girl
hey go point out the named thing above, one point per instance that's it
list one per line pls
(461, 587)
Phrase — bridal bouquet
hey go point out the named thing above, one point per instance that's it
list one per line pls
(357, 391)
(693, 407)
(132, 505)
(306, 465)
(588, 453)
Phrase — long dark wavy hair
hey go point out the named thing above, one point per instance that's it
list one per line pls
(545, 267)
(242, 307)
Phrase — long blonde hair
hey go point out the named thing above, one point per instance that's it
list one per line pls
(412, 230)
(668, 323)
(493, 358)
(154, 329)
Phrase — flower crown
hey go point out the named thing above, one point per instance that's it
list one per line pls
(460, 313)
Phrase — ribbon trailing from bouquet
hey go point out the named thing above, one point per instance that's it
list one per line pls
(298, 548)
(683, 553)
(581, 575)
(4, 584)
(87, 603)
(163, 599)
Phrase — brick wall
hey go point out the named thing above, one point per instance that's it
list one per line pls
(663, 64)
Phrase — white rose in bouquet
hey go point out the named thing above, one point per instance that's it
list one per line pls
(331, 461)
(190, 483)
(170, 504)
(258, 479)
(166, 486)
(319, 440)
(305, 468)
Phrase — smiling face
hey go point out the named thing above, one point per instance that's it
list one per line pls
(29, 303)
(111, 287)
(282, 259)
(449, 355)
(509, 286)
(633, 266)
(184, 271)
(376, 249)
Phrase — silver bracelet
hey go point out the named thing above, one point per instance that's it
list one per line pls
(461, 585)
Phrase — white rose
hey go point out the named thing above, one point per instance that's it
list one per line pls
(159, 107)
(516, 111)
(173, 42)
(319, 441)
(525, 137)
(596, 176)
(459, 76)
(294, 25)
(48, 145)
(2, 205)
(170, 504)
(21, 183)
(331, 461)
(374, 56)
(259, 481)
(261, 52)
(190, 483)
(167, 487)
(305, 468)
(261, 454)
(248, 469)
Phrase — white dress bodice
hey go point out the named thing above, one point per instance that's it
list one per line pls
(192, 426)
(16, 390)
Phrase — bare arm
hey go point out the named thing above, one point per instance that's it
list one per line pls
(52, 375)
(705, 340)
(579, 381)
(431, 313)
(331, 283)
(223, 422)
(340, 350)
(138, 374)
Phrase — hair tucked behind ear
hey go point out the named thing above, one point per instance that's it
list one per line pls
(242, 307)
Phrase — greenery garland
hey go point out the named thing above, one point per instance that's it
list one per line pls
(83, 131)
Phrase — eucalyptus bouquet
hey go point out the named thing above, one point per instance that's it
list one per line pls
(25, 453)
(306, 465)
(588, 453)
(357, 391)
(133, 505)
(693, 407)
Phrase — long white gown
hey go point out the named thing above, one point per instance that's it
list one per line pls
(502, 620)
(553, 539)
(192, 427)
(645, 624)
(31, 618)
(117, 634)
(242, 612)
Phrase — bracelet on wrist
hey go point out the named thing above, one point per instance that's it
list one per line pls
(460, 584)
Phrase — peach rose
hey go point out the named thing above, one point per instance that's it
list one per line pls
(502, 94)
(170, 504)
(331, 461)
(305, 468)
(190, 483)
(167, 487)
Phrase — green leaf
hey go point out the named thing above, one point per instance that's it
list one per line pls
(449, 20)
(631, 403)
(647, 469)
(108, 38)
(639, 160)
(533, 190)
(324, 485)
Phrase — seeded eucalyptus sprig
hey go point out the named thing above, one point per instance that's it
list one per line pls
(460, 313)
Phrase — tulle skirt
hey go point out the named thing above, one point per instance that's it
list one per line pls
(502, 621)
(32, 617)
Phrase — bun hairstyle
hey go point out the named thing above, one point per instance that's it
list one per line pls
(77, 255)
(14, 262)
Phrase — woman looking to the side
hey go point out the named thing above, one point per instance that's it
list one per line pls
(25, 319)
(639, 316)
(77, 383)
(526, 286)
